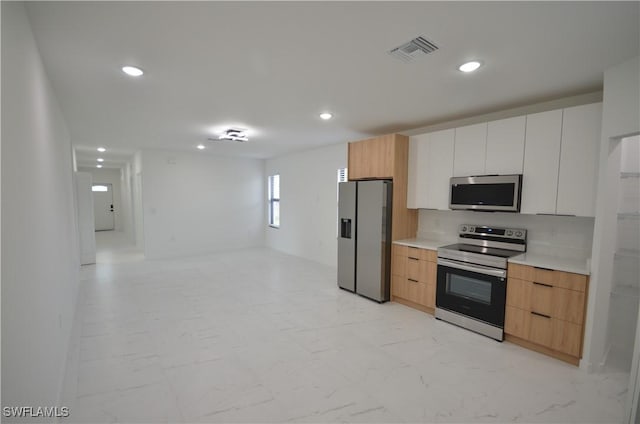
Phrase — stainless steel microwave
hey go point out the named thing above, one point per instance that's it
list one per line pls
(492, 193)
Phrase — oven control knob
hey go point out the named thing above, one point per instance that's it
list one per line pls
(464, 229)
(472, 229)
(518, 233)
(509, 233)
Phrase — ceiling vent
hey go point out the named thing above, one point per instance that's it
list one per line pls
(414, 49)
(232, 134)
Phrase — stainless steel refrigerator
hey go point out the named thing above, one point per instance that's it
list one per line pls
(364, 240)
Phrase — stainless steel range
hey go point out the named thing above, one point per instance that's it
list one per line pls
(471, 287)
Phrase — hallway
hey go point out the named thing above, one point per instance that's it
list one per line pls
(114, 247)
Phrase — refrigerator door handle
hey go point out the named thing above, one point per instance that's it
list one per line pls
(345, 228)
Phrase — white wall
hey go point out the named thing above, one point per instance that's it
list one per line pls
(39, 239)
(86, 221)
(197, 203)
(113, 177)
(567, 235)
(136, 201)
(308, 205)
(620, 111)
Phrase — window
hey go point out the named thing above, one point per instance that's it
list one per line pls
(98, 187)
(274, 200)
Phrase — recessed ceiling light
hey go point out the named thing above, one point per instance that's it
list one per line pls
(132, 71)
(100, 160)
(200, 146)
(326, 115)
(102, 149)
(469, 66)
(98, 166)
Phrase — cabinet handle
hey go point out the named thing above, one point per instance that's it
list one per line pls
(542, 284)
(412, 280)
(542, 268)
(541, 315)
(414, 259)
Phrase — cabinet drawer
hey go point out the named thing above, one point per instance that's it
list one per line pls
(568, 305)
(522, 272)
(398, 249)
(430, 295)
(519, 293)
(571, 281)
(415, 252)
(429, 272)
(516, 322)
(399, 286)
(542, 298)
(431, 255)
(540, 329)
(413, 268)
(399, 265)
(567, 337)
(417, 292)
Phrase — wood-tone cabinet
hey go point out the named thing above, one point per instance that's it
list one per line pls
(545, 310)
(372, 158)
(413, 281)
(386, 157)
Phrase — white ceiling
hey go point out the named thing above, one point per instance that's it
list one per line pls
(273, 67)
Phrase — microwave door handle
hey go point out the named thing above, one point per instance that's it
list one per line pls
(474, 268)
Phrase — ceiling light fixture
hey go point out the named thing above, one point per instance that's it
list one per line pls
(469, 66)
(102, 149)
(100, 160)
(98, 166)
(234, 134)
(132, 71)
(200, 146)
(326, 115)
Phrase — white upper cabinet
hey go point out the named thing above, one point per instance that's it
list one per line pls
(470, 150)
(541, 162)
(430, 168)
(439, 168)
(581, 132)
(505, 146)
(417, 172)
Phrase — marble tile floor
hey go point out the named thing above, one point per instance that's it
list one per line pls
(259, 336)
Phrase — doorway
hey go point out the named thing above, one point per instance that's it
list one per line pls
(103, 206)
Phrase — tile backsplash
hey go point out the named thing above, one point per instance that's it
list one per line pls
(546, 234)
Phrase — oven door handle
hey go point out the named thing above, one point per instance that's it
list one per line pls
(474, 268)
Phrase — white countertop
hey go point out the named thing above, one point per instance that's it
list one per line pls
(568, 264)
(557, 262)
(423, 243)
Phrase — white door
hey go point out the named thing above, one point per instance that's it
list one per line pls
(103, 206)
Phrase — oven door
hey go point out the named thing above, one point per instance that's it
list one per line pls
(473, 290)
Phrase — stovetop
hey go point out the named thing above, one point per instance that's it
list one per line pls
(488, 246)
(461, 247)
